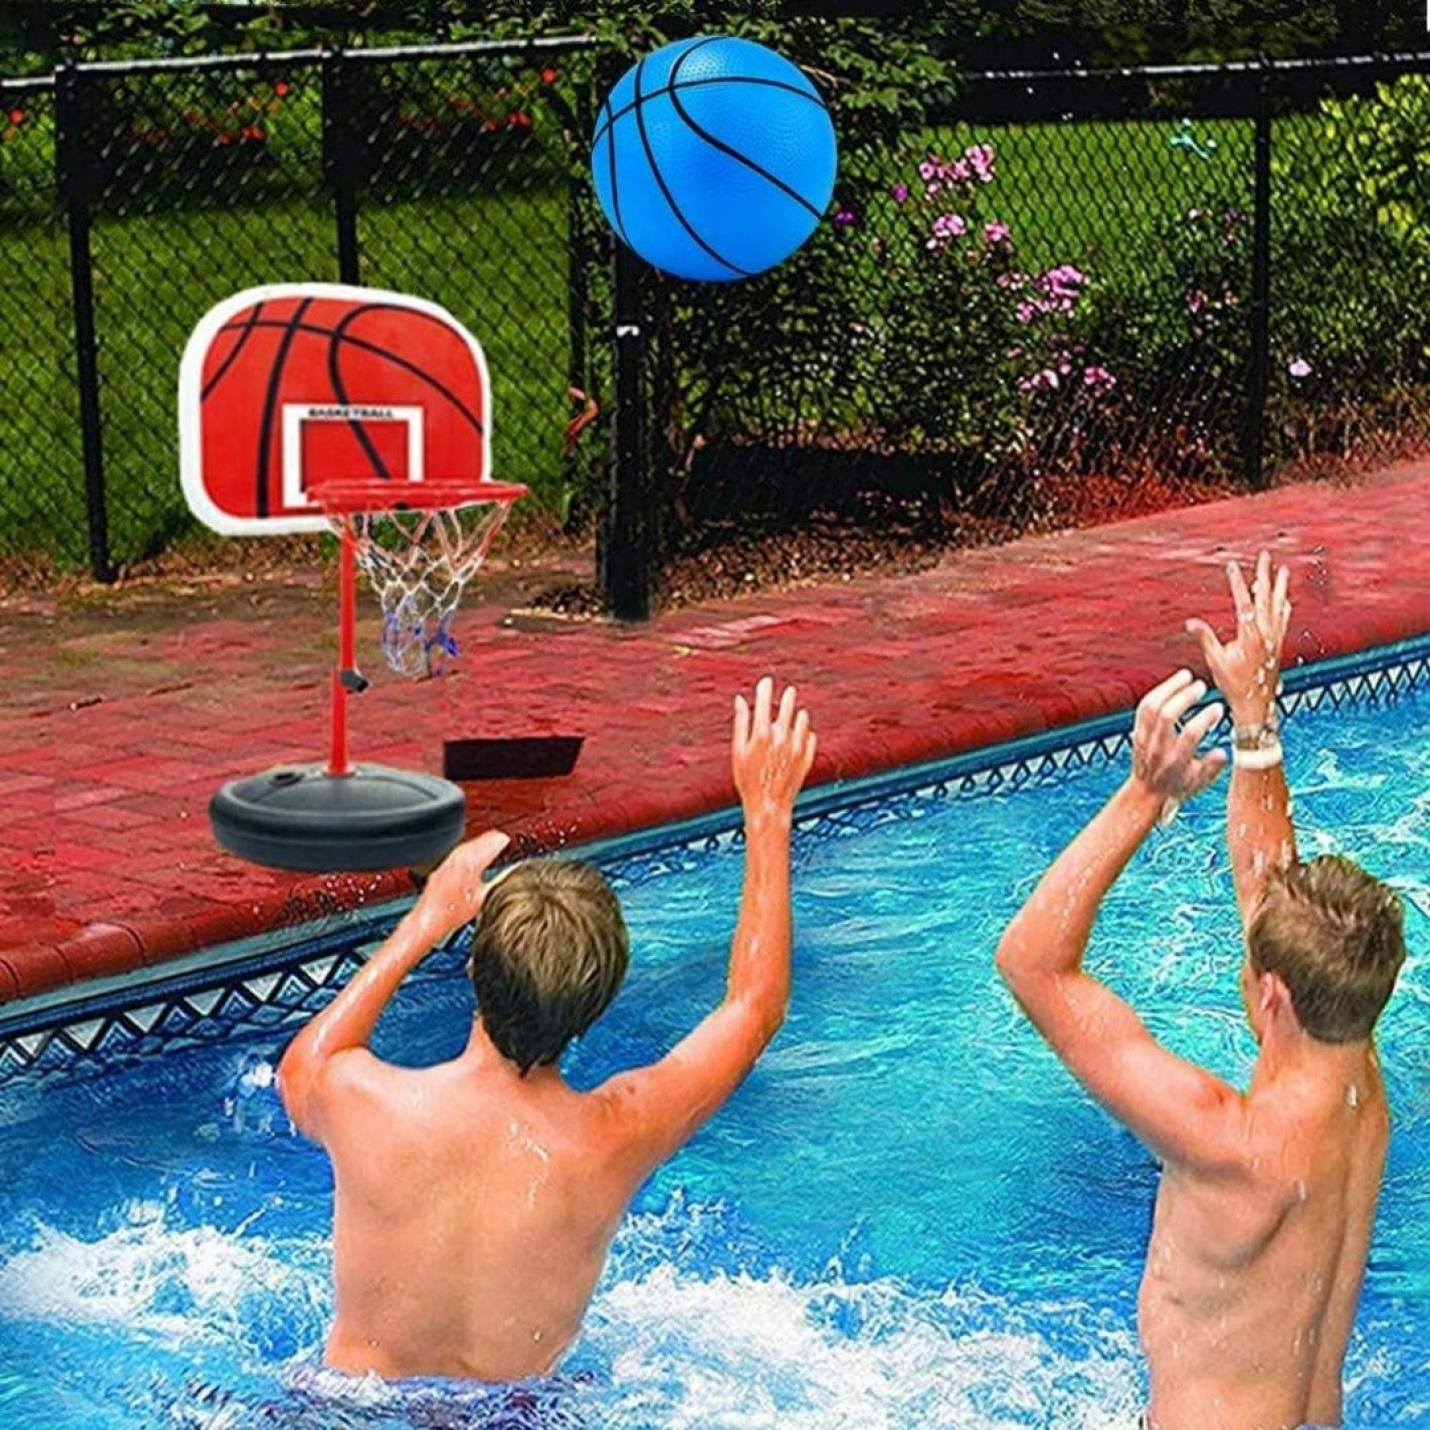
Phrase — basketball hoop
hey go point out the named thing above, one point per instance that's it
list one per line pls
(418, 543)
(313, 406)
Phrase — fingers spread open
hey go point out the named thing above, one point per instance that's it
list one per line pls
(1201, 725)
(1158, 696)
(1212, 649)
(1281, 603)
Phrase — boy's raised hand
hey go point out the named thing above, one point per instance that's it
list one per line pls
(1164, 757)
(1246, 669)
(455, 891)
(771, 750)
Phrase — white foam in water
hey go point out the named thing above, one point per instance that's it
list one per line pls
(176, 1285)
(669, 1347)
(715, 1350)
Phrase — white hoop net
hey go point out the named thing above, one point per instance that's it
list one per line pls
(419, 563)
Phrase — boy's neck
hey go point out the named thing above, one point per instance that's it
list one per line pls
(483, 1055)
(1294, 1055)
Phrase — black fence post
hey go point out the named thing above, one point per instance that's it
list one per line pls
(340, 149)
(1259, 375)
(73, 178)
(625, 561)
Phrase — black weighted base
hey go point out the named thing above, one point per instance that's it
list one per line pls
(301, 817)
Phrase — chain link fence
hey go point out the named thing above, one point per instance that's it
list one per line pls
(1075, 297)
(138, 195)
(42, 492)
(1072, 297)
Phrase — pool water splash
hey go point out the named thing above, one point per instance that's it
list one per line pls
(908, 1215)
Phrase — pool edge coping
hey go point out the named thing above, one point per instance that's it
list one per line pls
(341, 936)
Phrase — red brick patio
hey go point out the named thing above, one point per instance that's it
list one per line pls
(116, 731)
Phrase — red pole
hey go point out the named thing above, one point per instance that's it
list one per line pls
(347, 651)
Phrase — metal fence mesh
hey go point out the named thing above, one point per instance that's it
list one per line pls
(203, 183)
(1071, 298)
(1005, 325)
(464, 197)
(42, 506)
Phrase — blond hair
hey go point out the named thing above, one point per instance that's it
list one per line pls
(549, 951)
(1335, 937)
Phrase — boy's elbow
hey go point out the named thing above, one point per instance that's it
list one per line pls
(294, 1079)
(1007, 960)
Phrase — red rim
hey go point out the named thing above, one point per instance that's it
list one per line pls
(354, 496)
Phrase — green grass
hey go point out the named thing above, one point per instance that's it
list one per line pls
(498, 264)
(1095, 191)
(1087, 192)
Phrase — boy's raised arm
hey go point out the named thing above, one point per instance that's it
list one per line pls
(1259, 833)
(453, 896)
(662, 1105)
(1179, 1110)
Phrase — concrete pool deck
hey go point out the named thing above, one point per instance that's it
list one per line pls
(116, 733)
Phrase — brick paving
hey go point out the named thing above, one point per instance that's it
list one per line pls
(117, 727)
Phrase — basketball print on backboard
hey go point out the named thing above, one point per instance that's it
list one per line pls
(288, 386)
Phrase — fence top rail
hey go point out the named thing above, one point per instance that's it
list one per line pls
(256, 58)
(551, 44)
(27, 84)
(21, 84)
(1401, 59)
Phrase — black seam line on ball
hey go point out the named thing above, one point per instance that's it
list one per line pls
(670, 198)
(725, 148)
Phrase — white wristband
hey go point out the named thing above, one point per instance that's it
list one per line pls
(1265, 758)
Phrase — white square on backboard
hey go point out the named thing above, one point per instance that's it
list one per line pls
(297, 414)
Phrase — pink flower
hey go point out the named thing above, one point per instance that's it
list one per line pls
(1063, 280)
(845, 217)
(1299, 367)
(1047, 378)
(997, 231)
(928, 170)
(980, 160)
(1196, 301)
(900, 193)
(1026, 311)
(1098, 378)
(958, 172)
(945, 228)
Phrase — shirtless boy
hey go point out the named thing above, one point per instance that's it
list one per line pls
(475, 1200)
(1264, 1213)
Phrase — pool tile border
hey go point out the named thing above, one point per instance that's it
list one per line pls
(265, 981)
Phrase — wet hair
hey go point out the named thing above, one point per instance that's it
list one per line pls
(1335, 937)
(549, 951)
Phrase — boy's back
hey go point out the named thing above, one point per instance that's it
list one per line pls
(475, 1200)
(1253, 1271)
(472, 1216)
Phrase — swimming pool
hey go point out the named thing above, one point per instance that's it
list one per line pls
(908, 1216)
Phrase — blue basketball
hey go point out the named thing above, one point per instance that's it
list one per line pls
(713, 158)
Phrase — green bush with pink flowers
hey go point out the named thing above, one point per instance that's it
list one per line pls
(977, 358)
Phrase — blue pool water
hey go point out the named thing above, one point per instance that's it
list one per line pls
(909, 1216)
